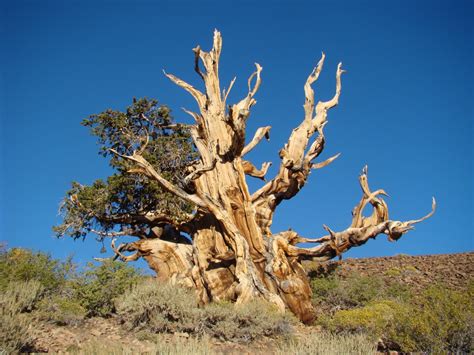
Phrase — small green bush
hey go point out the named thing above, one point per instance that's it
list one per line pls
(334, 293)
(323, 287)
(410, 269)
(397, 291)
(352, 291)
(61, 310)
(362, 289)
(168, 308)
(23, 265)
(98, 286)
(374, 318)
(325, 343)
(448, 317)
(401, 271)
(393, 272)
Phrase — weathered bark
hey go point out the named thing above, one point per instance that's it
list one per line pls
(232, 253)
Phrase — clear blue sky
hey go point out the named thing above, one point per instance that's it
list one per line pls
(405, 109)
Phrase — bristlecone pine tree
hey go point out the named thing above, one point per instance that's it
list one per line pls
(181, 190)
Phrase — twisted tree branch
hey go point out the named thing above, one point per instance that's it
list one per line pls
(359, 232)
(168, 186)
(259, 134)
(251, 170)
(296, 158)
(198, 95)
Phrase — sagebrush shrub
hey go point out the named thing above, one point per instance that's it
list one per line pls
(159, 308)
(15, 331)
(245, 322)
(168, 308)
(374, 318)
(21, 296)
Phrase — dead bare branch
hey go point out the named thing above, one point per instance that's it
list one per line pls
(198, 96)
(251, 170)
(259, 134)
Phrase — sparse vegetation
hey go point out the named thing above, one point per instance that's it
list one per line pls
(438, 320)
(61, 294)
(356, 311)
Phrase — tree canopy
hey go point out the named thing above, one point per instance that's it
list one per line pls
(129, 202)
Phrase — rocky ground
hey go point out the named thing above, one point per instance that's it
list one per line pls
(57, 339)
(454, 270)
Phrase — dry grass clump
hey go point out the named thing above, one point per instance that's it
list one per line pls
(160, 345)
(325, 343)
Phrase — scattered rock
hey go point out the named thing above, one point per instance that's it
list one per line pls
(453, 270)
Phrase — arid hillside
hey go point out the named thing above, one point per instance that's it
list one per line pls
(418, 272)
(453, 270)
(401, 303)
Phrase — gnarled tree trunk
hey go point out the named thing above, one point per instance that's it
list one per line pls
(232, 254)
